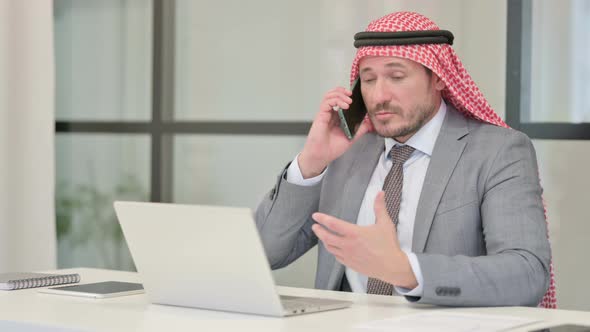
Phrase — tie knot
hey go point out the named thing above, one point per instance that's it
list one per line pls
(400, 153)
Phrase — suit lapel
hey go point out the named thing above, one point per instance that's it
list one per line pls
(357, 179)
(358, 176)
(446, 153)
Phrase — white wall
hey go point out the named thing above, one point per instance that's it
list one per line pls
(27, 232)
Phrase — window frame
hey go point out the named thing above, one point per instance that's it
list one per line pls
(518, 80)
(162, 127)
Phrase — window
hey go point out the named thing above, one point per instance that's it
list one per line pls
(103, 110)
(136, 121)
(548, 68)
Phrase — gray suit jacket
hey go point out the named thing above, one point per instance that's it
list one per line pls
(480, 233)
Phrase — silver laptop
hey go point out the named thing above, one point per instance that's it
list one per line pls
(206, 257)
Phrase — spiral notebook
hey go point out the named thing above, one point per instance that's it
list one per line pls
(20, 280)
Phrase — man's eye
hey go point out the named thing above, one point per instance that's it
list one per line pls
(397, 78)
(368, 80)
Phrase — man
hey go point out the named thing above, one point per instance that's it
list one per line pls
(434, 198)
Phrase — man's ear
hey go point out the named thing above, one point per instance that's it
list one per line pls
(439, 85)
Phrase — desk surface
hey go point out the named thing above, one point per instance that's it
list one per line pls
(135, 313)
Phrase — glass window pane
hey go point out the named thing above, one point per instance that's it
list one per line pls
(229, 170)
(103, 55)
(563, 167)
(267, 60)
(92, 172)
(235, 63)
(560, 64)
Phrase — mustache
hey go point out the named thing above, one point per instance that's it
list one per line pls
(385, 108)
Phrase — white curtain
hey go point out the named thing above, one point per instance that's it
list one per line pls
(27, 217)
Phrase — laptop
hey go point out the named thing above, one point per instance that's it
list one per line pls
(206, 257)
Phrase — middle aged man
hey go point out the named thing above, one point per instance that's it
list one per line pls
(434, 198)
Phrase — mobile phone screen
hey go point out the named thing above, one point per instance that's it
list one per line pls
(351, 119)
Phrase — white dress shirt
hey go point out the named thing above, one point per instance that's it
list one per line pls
(414, 173)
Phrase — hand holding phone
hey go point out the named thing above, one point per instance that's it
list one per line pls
(352, 118)
(326, 139)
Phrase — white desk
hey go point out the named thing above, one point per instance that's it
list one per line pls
(135, 313)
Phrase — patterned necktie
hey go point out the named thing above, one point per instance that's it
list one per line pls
(393, 196)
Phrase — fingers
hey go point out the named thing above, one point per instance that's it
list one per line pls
(381, 214)
(367, 122)
(365, 127)
(328, 104)
(341, 259)
(339, 97)
(341, 89)
(332, 241)
(340, 227)
(338, 94)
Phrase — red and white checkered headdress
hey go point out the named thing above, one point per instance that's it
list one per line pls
(460, 90)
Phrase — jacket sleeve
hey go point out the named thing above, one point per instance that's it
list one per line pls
(284, 222)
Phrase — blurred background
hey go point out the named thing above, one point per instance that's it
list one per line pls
(206, 101)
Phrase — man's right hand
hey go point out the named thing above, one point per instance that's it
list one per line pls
(326, 141)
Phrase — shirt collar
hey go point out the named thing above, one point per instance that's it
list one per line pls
(423, 140)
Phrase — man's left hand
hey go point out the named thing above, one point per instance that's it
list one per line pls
(370, 250)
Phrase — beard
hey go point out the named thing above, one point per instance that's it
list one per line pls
(412, 121)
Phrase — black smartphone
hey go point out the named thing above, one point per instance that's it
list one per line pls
(565, 328)
(350, 119)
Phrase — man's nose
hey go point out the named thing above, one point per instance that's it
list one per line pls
(382, 92)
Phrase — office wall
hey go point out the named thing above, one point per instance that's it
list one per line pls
(27, 233)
